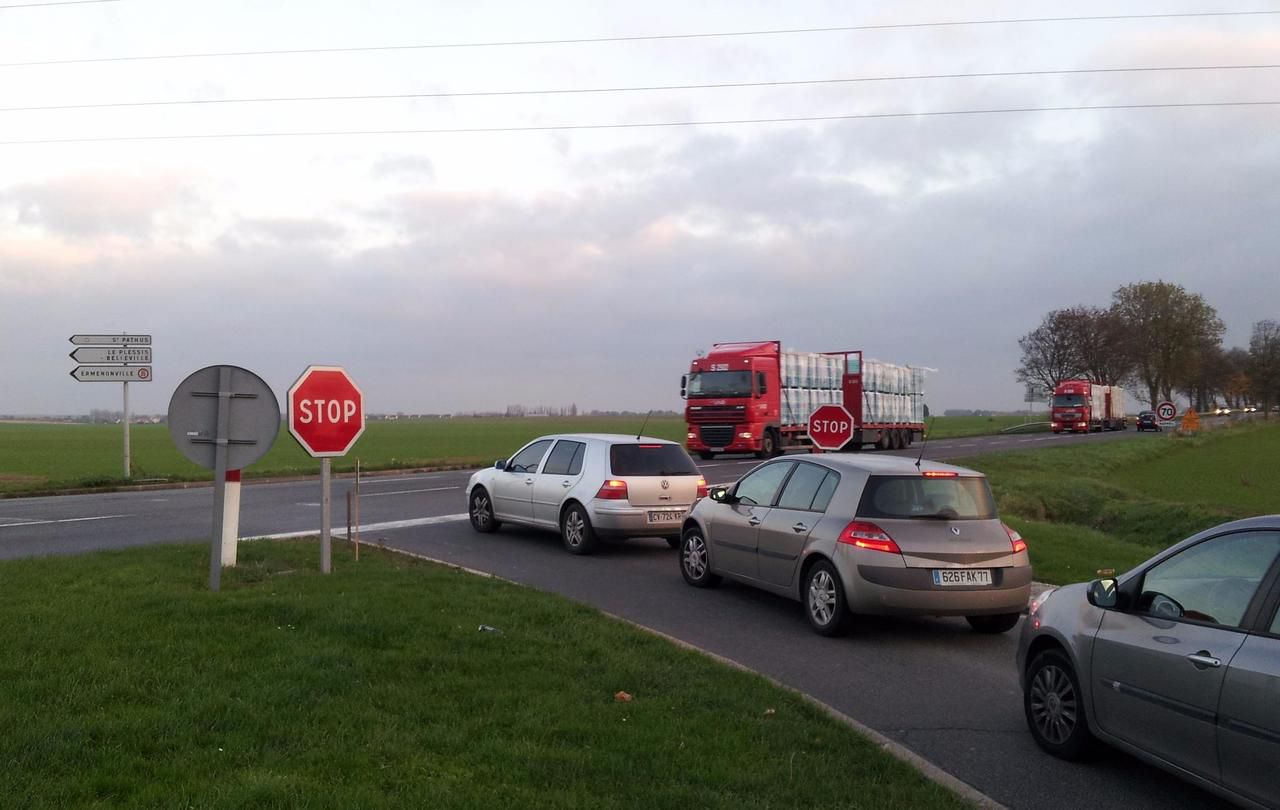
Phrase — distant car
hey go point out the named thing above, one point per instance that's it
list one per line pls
(1176, 662)
(860, 534)
(588, 487)
(1221, 411)
(1147, 420)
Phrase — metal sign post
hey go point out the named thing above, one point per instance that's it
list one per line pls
(224, 418)
(117, 352)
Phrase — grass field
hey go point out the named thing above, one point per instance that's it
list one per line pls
(955, 427)
(1113, 505)
(43, 456)
(128, 685)
(37, 456)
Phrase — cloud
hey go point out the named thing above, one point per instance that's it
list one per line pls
(84, 206)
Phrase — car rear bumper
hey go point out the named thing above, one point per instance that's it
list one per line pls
(633, 521)
(905, 591)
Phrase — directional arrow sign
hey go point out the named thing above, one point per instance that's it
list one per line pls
(111, 340)
(112, 354)
(112, 373)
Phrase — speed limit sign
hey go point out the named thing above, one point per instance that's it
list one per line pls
(1166, 411)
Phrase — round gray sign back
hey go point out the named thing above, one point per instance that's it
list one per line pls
(252, 425)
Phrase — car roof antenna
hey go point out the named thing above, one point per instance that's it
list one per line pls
(928, 429)
(642, 424)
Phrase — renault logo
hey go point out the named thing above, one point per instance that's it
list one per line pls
(666, 484)
(955, 530)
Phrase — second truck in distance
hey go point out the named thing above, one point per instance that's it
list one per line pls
(755, 398)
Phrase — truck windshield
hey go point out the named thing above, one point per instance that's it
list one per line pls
(1068, 400)
(719, 384)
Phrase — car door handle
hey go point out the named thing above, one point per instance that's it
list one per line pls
(566, 484)
(528, 481)
(799, 527)
(755, 521)
(1203, 659)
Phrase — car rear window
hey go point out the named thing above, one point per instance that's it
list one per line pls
(914, 496)
(650, 459)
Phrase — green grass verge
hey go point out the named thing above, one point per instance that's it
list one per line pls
(127, 684)
(956, 427)
(1112, 505)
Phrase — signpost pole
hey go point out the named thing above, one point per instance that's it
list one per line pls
(326, 559)
(127, 466)
(220, 476)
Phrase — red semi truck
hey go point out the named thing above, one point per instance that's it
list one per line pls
(1080, 406)
(755, 398)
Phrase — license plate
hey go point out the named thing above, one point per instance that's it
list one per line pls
(950, 577)
(665, 517)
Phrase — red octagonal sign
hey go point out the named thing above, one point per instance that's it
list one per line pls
(830, 427)
(326, 411)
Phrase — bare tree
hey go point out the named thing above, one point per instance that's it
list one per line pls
(1050, 353)
(1103, 343)
(1170, 329)
(1264, 363)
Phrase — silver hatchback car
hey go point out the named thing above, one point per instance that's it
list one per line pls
(589, 486)
(1176, 661)
(848, 534)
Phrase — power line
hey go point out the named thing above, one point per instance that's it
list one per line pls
(635, 38)
(638, 125)
(56, 3)
(659, 87)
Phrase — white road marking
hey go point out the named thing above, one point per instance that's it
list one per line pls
(62, 520)
(968, 444)
(368, 527)
(405, 492)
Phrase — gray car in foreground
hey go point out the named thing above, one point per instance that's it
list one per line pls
(1176, 662)
(857, 534)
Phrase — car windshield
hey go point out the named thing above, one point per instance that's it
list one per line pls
(650, 459)
(920, 498)
(1068, 400)
(719, 384)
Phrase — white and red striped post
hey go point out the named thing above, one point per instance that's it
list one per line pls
(231, 519)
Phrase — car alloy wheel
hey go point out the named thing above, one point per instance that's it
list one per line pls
(1054, 707)
(824, 600)
(576, 531)
(695, 562)
(482, 519)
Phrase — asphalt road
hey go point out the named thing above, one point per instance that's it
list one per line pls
(943, 691)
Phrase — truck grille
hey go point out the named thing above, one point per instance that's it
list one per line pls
(717, 435)
(704, 414)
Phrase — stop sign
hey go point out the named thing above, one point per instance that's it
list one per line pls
(830, 427)
(326, 411)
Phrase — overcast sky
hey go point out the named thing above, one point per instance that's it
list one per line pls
(468, 271)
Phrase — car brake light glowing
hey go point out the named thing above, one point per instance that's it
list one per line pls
(613, 490)
(1016, 539)
(869, 536)
(650, 446)
(702, 488)
(940, 474)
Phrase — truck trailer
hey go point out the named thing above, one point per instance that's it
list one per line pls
(1080, 406)
(753, 397)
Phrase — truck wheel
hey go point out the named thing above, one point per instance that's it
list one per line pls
(768, 445)
(706, 455)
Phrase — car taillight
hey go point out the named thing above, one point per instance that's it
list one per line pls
(702, 488)
(613, 490)
(869, 536)
(1016, 539)
(940, 474)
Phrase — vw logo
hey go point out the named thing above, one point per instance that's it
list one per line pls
(955, 530)
(666, 484)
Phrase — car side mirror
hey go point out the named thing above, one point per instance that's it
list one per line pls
(1103, 593)
(720, 495)
(500, 464)
(684, 385)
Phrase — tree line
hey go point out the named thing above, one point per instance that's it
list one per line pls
(1159, 338)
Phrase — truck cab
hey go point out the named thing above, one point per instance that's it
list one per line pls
(733, 400)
